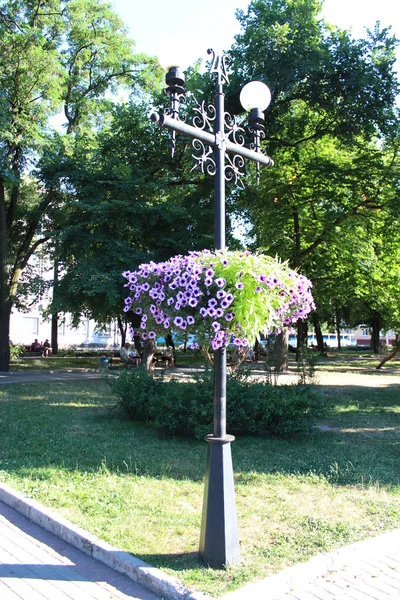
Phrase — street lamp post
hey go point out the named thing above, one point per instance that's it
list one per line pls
(219, 151)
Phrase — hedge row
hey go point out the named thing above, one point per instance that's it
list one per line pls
(186, 408)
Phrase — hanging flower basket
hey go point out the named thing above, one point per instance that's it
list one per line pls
(221, 297)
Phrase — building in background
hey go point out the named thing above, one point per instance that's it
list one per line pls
(25, 327)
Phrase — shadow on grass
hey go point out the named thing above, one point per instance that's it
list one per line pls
(75, 427)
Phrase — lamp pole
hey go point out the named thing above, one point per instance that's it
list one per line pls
(220, 152)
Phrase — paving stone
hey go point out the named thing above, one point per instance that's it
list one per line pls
(36, 565)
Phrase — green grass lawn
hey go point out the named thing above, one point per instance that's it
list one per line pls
(65, 445)
(354, 358)
(53, 363)
(38, 363)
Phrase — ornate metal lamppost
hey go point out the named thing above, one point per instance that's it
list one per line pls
(219, 147)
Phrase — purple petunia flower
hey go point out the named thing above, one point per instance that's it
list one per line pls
(192, 302)
(144, 336)
(239, 285)
(220, 282)
(212, 302)
(219, 312)
(211, 312)
(178, 321)
(138, 310)
(203, 312)
(229, 316)
(208, 281)
(216, 344)
(220, 294)
(152, 335)
(190, 320)
(216, 326)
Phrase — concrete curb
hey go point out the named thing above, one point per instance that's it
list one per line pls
(149, 577)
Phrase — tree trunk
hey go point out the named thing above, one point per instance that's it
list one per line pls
(5, 304)
(122, 329)
(54, 317)
(318, 333)
(5, 313)
(54, 333)
(137, 341)
(376, 327)
(148, 354)
(281, 351)
(337, 323)
(388, 357)
(302, 335)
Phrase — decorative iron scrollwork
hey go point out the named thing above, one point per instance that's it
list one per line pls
(204, 160)
(205, 117)
(219, 65)
(234, 131)
(213, 129)
(233, 169)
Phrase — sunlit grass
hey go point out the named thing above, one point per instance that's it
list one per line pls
(66, 445)
(54, 363)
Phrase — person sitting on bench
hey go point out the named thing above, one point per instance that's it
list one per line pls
(46, 349)
(168, 356)
(126, 356)
(36, 346)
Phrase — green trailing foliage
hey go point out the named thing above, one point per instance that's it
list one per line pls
(186, 408)
(16, 350)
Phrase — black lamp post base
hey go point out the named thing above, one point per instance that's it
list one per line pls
(219, 538)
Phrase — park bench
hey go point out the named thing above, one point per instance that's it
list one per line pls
(29, 352)
(116, 361)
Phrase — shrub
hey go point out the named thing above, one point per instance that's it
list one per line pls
(186, 408)
(135, 388)
(16, 350)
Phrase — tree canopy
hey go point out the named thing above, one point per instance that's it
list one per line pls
(104, 195)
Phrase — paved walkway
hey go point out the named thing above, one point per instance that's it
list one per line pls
(36, 565)
(367, 570)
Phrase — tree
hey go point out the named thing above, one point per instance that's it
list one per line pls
(333, 100)
(128, 201)
(61, 54)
